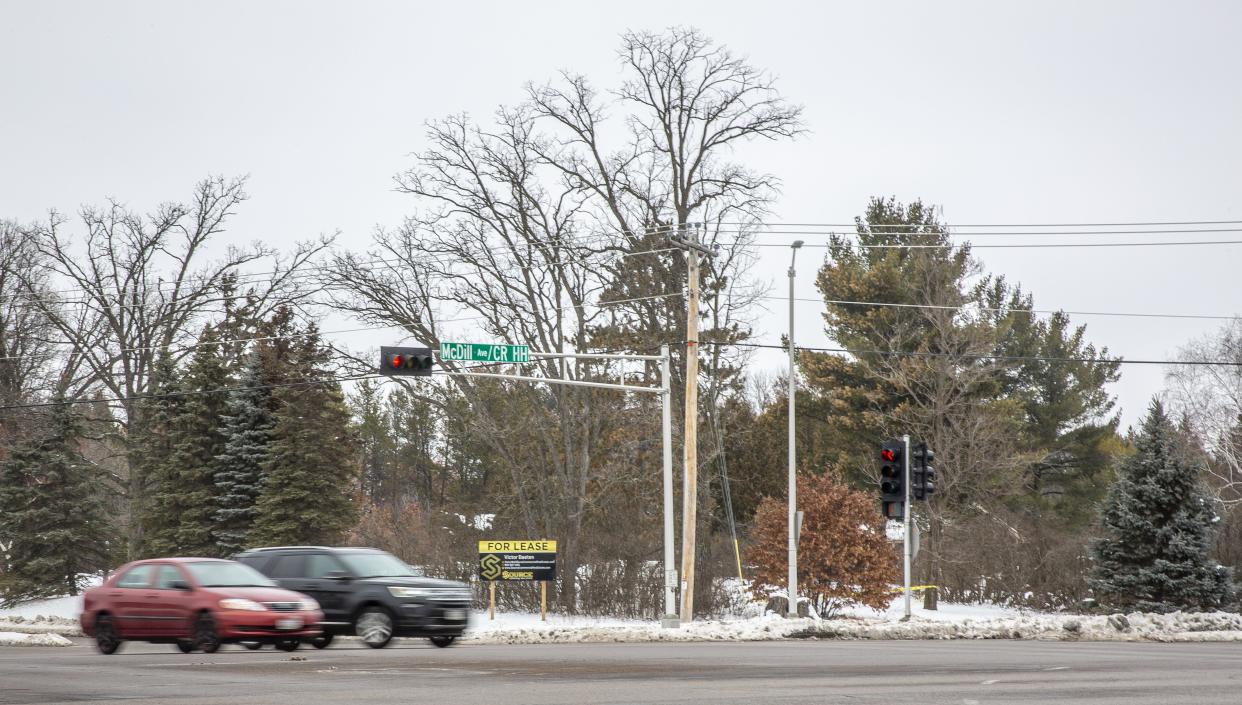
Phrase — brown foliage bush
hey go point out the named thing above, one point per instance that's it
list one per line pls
(434, 541)
(843, 555)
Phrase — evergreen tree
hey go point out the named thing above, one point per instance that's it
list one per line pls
(198, 441)
(1154, 555)
(160, 510)
(311, 474)
(376, 445)
(54, 509)
(247, 431)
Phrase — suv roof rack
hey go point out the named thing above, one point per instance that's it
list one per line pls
(318, 548)
(282, 548)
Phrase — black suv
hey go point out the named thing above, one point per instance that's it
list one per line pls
(366, 592)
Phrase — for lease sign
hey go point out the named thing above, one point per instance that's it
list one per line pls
(517, 560)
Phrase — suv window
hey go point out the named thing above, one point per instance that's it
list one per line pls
(320, 564)
(137, 577)
(166, 576)
(289, 565)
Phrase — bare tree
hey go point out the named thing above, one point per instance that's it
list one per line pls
(138, 285)
(1209, 399)
(686, 105)
(27, 338)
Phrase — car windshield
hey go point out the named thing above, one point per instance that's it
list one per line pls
(375, 565)
(227, 574)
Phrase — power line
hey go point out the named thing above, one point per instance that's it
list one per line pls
(970, 307)
(445, 259)
(985, 356)
(949, 231)
(975, 246)
(293, 336)
(1124, 224)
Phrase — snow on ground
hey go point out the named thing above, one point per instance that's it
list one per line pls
(53, 619)
(66, 607)
(947, 612)
(505, 622)
(951, 621)
(17, 639)
(1219, 626)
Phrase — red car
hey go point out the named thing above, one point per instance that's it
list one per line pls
(196, 603)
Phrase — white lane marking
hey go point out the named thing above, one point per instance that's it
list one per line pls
(1057, 668)
(990, 682)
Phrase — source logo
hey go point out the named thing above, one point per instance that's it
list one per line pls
(489, 566)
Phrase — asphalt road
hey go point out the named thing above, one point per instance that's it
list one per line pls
(413, 672)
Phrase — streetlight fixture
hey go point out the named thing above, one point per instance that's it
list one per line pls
(793, 479)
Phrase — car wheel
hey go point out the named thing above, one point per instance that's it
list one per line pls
(374, 625)
(288, 644)
(252, 645)
(206, 638)
(442, 641)
(107, 640)
(185, 646)
(321, 641)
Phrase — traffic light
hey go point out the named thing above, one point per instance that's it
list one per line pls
(893, 479)
(414, 362)
(922, 474)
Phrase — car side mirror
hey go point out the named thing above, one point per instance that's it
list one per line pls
(338, 575)
(179, 585)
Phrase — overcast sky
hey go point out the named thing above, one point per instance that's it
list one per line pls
(1001, 112)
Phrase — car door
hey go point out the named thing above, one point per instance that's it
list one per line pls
(129, 600)
(170, 605)
(306, 572)
(332, 593)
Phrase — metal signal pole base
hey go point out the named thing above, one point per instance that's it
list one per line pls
(907, 549)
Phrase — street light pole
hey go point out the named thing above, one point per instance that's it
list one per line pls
(793, 478)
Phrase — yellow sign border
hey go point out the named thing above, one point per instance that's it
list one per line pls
(517, 546)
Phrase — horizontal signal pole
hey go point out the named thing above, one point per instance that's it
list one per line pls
(601, 356)
(553, 380)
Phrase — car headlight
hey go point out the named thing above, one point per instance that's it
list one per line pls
(241, 603)
(396, 591)
(309, 605)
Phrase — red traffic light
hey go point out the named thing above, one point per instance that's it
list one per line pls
(887, 454)
(403, 361)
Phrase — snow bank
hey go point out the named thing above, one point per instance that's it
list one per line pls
(1178, 626)
(18, 639)
(57, 616)
(1219, 626)
(41, 625)
(68, 607)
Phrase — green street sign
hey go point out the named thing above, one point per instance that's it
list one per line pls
(484, 352)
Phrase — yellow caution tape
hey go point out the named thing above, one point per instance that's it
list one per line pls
(915, 588)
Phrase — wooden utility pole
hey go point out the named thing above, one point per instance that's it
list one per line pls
(690, 483)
